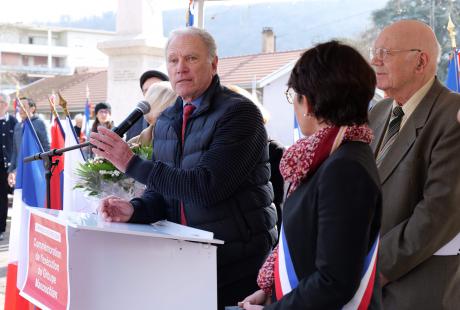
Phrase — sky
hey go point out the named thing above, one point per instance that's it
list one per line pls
(27, 11)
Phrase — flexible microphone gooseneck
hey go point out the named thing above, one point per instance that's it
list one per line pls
(143, 107)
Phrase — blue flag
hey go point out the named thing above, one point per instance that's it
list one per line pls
(189, 18)
(30, 177)
(30, 191)
(87, 118)
(452, 73)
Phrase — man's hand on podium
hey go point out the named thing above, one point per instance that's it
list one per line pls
(115, 209)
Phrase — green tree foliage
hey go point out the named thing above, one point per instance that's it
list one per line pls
(432, 12)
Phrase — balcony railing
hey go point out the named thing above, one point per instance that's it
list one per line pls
(34, 49)
(44, 70)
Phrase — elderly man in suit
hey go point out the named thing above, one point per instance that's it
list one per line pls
(417, 147)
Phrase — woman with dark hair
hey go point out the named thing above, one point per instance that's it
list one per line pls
(326, 256)
(103, 113)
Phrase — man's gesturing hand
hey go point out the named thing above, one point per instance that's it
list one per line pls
(112, 147)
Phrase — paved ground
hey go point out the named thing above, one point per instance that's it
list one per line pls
(4, 260)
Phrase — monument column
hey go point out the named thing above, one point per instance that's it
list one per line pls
(137, 47)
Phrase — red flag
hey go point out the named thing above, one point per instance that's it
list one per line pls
(14, 301)
(57, 182)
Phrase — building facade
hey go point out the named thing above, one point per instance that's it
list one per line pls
(43, 51)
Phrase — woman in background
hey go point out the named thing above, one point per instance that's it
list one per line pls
(160, 96)
(103, 116)
(103, 113)
(326, 256)
(78, 121)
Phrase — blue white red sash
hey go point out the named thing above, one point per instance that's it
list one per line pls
(286, 280)
(285, 277)
(363, 295)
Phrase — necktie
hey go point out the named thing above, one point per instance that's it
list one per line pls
(392, 132)
(188, 110)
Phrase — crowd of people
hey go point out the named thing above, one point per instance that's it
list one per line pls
(360, 213)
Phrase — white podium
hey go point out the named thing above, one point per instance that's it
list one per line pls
(77, 261)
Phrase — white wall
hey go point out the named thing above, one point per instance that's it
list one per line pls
(137, 47)
(281, 124)
(83, 49)
(123, 91)
(9, 34)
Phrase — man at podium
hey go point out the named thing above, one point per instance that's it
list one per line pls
(210, 167)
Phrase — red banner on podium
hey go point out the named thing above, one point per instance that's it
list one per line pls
(47, 275)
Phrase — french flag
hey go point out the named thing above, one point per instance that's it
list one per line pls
(30, 191)
(57, 179)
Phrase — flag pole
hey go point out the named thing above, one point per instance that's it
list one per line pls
(63, 104)
(53, 108)
(16, 104)
(30, 121)
(453, 43)
(54, 111)
(452, 33)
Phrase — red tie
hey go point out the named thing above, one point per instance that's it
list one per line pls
(188, 110)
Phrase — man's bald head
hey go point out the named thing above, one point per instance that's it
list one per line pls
(406, 56)
(409, 34)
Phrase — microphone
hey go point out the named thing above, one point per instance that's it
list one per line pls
(143, 107)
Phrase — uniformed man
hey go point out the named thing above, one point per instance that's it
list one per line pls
(7, 123)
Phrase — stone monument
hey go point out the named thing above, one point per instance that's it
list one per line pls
(137, 47)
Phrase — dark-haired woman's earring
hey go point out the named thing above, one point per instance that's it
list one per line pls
(307, 115)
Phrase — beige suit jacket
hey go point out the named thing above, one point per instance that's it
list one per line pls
(420, 178)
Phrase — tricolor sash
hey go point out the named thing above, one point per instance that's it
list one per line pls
(363, 295)
(286, 279)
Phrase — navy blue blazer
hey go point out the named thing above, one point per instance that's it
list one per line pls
(6, 139)
(330, 222)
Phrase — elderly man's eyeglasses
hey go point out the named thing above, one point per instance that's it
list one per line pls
(382, 53)
(290, 95)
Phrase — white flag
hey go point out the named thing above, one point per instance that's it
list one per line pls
(74, 198)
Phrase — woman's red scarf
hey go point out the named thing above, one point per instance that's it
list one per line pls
(301, 160)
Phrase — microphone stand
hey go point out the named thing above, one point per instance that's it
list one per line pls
(142, 108)
(47, 158)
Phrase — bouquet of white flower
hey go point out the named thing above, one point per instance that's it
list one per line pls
(99, 177)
